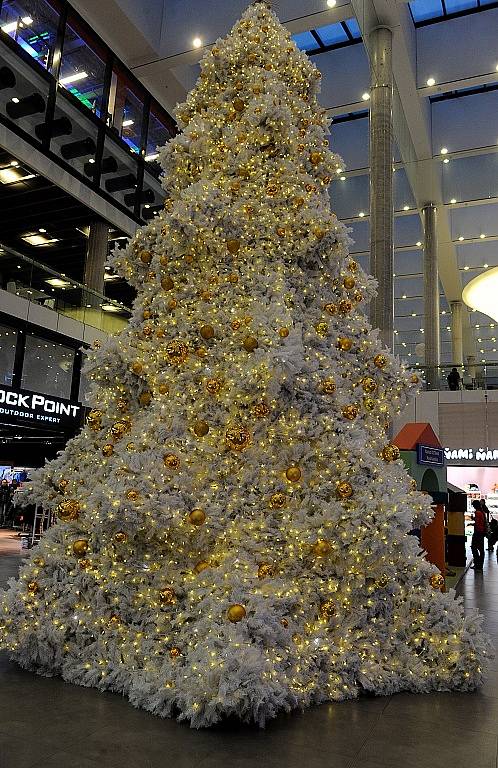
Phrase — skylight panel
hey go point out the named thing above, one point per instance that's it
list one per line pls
(354, 28)
(332, 34)
(453, 6)
(426, 9)
(305, 41)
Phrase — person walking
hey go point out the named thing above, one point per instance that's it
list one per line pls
(477, 544)
(5, 497)
(453, 380)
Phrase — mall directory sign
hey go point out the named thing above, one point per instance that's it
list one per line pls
(22, 407)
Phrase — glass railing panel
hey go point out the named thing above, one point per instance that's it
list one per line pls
(32, 24)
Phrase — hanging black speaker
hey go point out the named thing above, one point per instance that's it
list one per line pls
(7, 78)
(78, 149)
(109, 165)
(29, 105)
(61, 126)
(147, 196)
(121, 182)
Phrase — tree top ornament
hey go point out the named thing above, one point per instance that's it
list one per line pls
(232, 534)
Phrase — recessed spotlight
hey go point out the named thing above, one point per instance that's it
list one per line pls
(444, 150)
(361, 214)
(418, 243)
(466, 268)
(331, 3)
(404, 296)
(92, 160)
(15, 100)
(42, 229)
(406, 207)
(453, 200)
(414, 314)
(431, 81)
(460, 238)
(343, 178)
(365, 96)
(197, 42)
(482, 236)
(446, 160)
(14, 163)
(443, 312)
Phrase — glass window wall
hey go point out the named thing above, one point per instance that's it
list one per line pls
(47, 367)
(126, 109)
(33, 25)
(8, 341)
(83, 67)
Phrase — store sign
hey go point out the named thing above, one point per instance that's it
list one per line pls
(472, 455)
(19, 406)
(427, 455)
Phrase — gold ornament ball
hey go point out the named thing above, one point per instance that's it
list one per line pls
(163, 261)
(147, 330)
(145, 398)
(284, 623)
(349, 283)
(283, 332)
(265, 570)
(120, 537)
(214, 386)
(122, 404)
(236, 613)
(327, 609)
(250, 343)
(85, 563)
(380, 361)
(167, 595)
(145, 257)
(330, 308)
(316, 158)
(130, 446)
(293, 474)
(369, 403)
(369, 385)
(39, 561)
(238, 105)
(167, 283)
(146, 314)
(390, 452)
(344, 490)
(94, 418)
(260, 410)
(137, 367)
(163, 389)
(118, 430)
(176, 352)
(233, 245)
(280, 231)
(237, 437)
(437, 581)
(414, 379)
(413, 484)
(345, 306)
(358, 296)
(321, 547)
(321, 329)
(197, 517)
(382, 581)
(171, 461)
(207, 331)
(278, 500)
(80, 547)
(344, 344)
(33, 587)
(353, 266)
(328, 386)
(174, 652)
(201, 428)
(350, 412)
(107, 450)
(201, 566)
(132, 494)
(68, 510)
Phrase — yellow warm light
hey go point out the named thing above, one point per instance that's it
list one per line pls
(480, 294)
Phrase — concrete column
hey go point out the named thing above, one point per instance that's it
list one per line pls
(96, 258)
(431, 297)
(381, 181)
(456, 333)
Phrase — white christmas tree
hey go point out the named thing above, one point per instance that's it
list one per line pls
(232, 534)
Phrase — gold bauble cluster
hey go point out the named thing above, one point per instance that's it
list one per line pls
(380, 361)
(369, 385)
(176, 352)
(350, 412)
(94, 419)
(328, 386)
(107, 450)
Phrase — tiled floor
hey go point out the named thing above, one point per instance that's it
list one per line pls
(46, 723)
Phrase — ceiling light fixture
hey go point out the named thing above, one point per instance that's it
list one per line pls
(453, 201)
(74, 78)
(431, 81)
(406, 207)
(126, 123)
(197, 42)
(15, 100)
(482, 236)
(480, 293)
(150, 158)
(444, 150)
(361, 214)
(333, 3)
(365, 96)
(466, 268)
(34, 239)
(56, 282)
(460, 238)
(446, 160)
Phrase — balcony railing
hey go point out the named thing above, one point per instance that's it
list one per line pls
(473, 376)
(41, 285)
(64, 91)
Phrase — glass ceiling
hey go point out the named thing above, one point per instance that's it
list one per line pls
(427, 11)
(328, 37)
